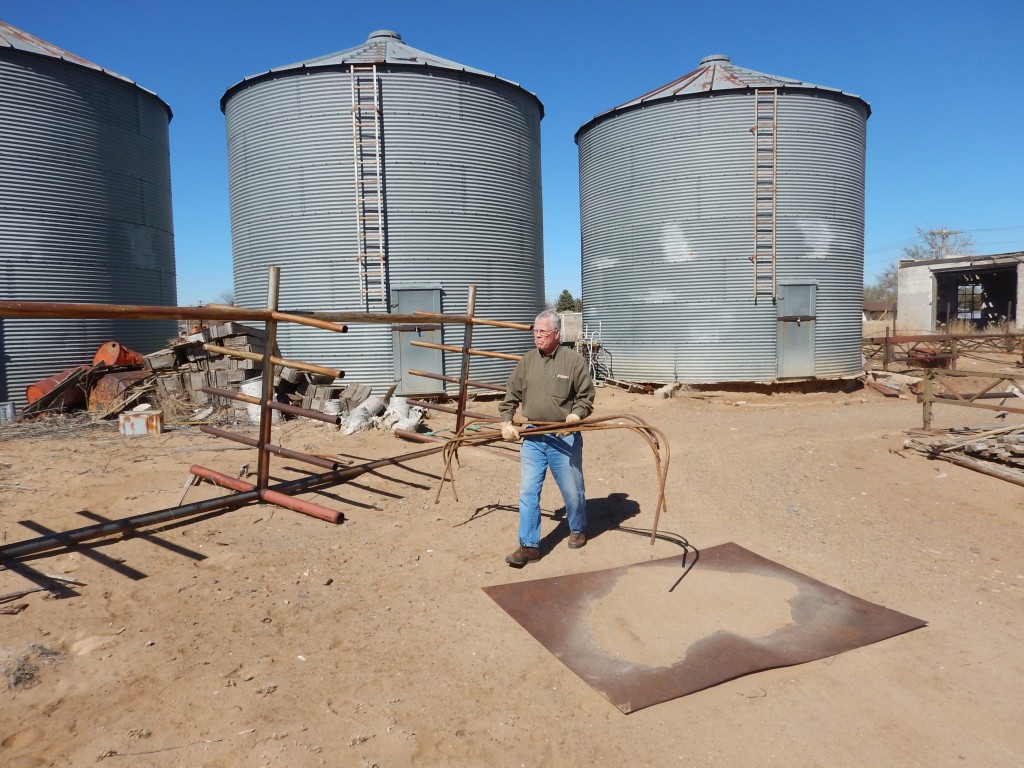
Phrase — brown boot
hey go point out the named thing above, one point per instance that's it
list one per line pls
(523, 555)
(577, 540)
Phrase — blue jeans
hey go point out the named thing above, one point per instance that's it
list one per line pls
(564, 457)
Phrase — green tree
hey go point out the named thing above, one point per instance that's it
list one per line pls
(565, 302)
(937, 243)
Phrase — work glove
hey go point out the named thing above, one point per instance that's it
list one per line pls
(572, 418)
(509, 431)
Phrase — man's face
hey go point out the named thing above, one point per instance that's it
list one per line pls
(546, 338)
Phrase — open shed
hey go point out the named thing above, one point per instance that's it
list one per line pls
(984, 291)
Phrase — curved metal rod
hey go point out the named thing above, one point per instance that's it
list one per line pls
(640, 427)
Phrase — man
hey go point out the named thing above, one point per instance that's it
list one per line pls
(552, 384)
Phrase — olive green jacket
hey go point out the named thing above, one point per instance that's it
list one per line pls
(549, 387)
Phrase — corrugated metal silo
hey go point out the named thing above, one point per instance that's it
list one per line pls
(722, 220)
(85, 207)
(385, 179)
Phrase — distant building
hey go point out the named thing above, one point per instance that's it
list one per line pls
(984, 291)
(879, 310)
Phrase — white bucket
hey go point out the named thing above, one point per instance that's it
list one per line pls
(332, 407)
(254, 388)
(7, 412)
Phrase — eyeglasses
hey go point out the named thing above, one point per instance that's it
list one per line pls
(544, 331)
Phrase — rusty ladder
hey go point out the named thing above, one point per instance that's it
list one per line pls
(369, 181)
(765, 177)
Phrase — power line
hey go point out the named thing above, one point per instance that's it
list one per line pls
(890, 246)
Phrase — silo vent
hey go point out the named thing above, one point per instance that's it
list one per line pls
(389, 33)
(715, 57)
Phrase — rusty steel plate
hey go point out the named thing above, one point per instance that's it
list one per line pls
(647, 633)
(108, 391)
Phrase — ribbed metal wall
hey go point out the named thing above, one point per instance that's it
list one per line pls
(667, 210)
(85, 212)
(463, 206)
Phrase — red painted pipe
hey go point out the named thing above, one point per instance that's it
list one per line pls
(270, 497)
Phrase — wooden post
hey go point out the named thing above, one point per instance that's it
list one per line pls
(886, 352)
(266, 415)
(927, 395)
(952, 352)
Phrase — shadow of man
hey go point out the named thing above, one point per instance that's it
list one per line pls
(603, 515)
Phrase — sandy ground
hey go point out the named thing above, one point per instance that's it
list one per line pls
(260, 636)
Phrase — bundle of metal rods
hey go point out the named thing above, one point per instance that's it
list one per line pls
(634, 424)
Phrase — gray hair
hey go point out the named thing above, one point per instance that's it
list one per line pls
(554, 320)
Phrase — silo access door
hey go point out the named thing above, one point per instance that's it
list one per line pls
(795, 335)
(408, 357)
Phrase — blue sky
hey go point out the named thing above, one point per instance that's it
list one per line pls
(944, 138)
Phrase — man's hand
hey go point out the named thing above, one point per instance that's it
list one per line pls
(572, 418)
(509, 431)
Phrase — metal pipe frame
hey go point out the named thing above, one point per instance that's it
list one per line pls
(289, 488)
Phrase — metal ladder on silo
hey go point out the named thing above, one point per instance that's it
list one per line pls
(369, 181)
(765, 177)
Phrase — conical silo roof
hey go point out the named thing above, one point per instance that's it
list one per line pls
(717, 73)
(383, 46)
(20, 40)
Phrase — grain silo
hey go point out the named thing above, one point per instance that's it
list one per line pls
(385, 179)
(85, 207)
(722, 221)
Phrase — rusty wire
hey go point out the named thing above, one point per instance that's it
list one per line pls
(638, 426)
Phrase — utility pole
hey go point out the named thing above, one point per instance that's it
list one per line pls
(944, 234)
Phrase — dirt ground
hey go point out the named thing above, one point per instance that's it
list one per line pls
(262, 637)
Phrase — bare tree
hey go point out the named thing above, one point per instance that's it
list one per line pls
(884, 287)
(226, 297)
(938, 243)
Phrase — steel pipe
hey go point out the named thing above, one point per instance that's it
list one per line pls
(49, 309)
(277, 450)
(449, 409)
(294, 410)
(477, 352)
(90, 532)
(456, 380)
(467, 343)
(483, 321)
(299, 366)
